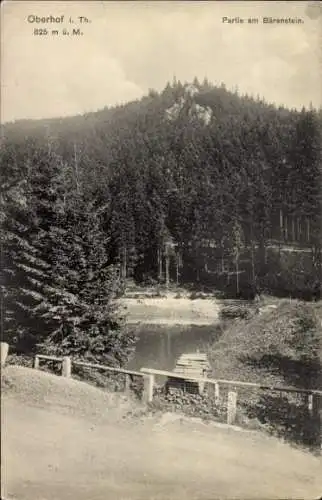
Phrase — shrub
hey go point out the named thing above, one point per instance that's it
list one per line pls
(287, 417)
(20, 360)
(192, 405)
(236, 311)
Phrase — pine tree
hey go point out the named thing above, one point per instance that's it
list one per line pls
(60, 276)
(12, 202)
(78, 303)
(19, 257)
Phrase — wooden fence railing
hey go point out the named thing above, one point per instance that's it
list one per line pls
(67, 364)
(314, 396)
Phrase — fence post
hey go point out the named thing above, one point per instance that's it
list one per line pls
(36, 363)
(231, 407)
(216, 393)
(66, 367)
(148, 388)
(317, 416)
(309, 401)
(127, 384)
(4, 352)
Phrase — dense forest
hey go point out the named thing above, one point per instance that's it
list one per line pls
(194, 185)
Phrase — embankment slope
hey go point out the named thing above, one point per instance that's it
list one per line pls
(258, 349)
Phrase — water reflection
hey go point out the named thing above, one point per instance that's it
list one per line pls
(159, 346)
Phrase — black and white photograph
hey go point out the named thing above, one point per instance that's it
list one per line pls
(161, 250)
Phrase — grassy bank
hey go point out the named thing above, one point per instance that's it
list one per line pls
(281, 346)
(260, 349)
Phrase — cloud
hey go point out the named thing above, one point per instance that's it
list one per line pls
(55, 77)
(314, 10)
(130, 47)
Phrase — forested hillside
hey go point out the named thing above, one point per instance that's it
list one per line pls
(195, 184)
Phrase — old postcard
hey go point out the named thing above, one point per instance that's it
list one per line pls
(161, 250)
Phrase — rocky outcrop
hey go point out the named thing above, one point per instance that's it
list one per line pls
(186, 104)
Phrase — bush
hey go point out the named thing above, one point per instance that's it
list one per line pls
(112, 382)
(192, 405)
(236, 311)
(20, 360)
(287, 417)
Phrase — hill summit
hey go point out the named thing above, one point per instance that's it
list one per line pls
(188, 106)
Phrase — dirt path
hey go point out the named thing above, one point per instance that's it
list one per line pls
(53, 455)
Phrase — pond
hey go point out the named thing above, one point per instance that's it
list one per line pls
(159, 346)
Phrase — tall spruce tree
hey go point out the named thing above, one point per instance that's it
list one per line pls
(79, 301)
(61, 276)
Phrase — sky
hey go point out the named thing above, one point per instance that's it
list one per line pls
(129, 47)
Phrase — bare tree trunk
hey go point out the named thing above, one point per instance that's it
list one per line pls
(286, 228)
(237, 272)
(222, 257)
(298, 229)
(293, 228)
(160, 270)
(252, 250)
(281, 234)
(307, 229)
(281, 225)
(180, 259)
(177, 268)
(124, 263)
(167, 265)
(253, 266)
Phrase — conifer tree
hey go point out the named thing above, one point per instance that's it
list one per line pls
(78, 303)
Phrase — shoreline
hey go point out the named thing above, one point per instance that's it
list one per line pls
(171, 310)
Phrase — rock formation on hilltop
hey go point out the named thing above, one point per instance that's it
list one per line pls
(187, 104)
